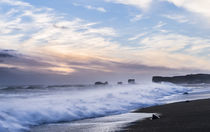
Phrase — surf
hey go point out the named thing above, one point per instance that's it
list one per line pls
(24, 107)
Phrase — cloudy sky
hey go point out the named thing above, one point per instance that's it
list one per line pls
(76, 41)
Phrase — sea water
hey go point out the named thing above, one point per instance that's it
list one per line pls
(22, 107)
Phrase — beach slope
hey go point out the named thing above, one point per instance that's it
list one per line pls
(188, 116)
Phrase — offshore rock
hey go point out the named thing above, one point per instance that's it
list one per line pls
(119, 83)
(101, 83)
(131, 81)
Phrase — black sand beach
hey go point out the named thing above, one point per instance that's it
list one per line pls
(188, 116)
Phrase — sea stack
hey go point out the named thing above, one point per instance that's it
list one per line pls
(101, 83)
(131, 81)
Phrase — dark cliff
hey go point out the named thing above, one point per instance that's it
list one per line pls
(189, 79)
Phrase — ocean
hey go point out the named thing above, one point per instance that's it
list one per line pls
(25, 107)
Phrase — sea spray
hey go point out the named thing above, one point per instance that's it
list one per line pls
(25, 107)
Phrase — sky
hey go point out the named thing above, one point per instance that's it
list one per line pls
(82, 41)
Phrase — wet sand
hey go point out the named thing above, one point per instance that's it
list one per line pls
(101, 124)
(188, 116)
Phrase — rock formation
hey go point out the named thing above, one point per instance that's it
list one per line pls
(187, 79)
(131, 81)
(101, 83)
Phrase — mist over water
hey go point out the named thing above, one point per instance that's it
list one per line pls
(26, 106)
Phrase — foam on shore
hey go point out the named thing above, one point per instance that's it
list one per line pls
(22, 108)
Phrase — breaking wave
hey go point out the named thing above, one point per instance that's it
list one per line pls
(22, 108)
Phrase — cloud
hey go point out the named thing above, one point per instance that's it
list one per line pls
(176, 17)
(175, 51)
(101, 9)
(14, 59)
(176, 42)
(23, 69)
(5, 55)
(16, 3)
(196, 6)
(50, 38)
(90, 7)
(160, 24)
(136, 18)
(199, 7)
(137, 36)
(141, 4)
(48, 42)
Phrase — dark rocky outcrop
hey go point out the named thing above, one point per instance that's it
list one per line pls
(119, 83)
(185, 93)
(155, 116)
(187, 79)
(101, 83)
(131, 81)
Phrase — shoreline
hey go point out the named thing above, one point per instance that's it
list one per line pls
(100, 124)
(132, 125)
(185, 116)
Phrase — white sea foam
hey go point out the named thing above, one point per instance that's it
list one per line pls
(27, 107)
